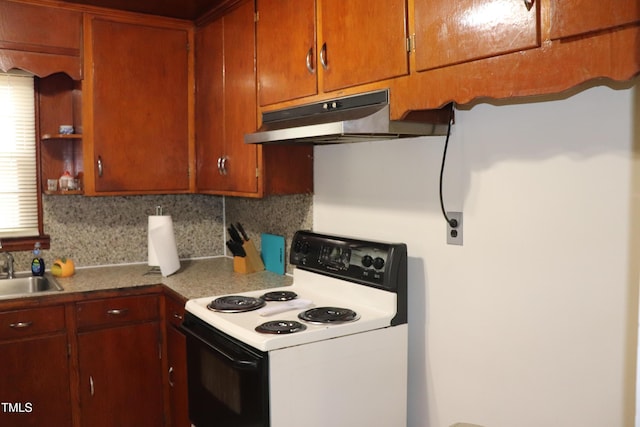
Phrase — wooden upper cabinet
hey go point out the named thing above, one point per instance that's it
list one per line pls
(240, 112)
(209, 105)
(40, 39)
(226, 104)
(450, 32)
(286, 34)
(306, 46)
(362, 42)
(36, 28)
(575, 17)
(137, 129)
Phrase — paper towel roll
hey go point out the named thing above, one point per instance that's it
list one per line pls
(162, 249)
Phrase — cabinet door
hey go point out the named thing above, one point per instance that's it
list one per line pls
(574, 17)
(362, 41)
(286, 34)
(35, 382)
(121, 376)
(177, 362)
(209, 105)
(140, 107)
(450, 32)
(226, 103)
(178, 390)
(240, 104)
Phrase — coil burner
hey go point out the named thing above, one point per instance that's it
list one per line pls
(235, 304)
(279, 296)
(322, 315)
(281, 327)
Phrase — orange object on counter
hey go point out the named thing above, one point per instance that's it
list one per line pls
(63, 267)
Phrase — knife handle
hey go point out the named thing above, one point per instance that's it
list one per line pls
(241, 229)
(234, 234)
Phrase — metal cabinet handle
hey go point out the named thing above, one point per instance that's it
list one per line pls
(222, 165)
(171, 382)
(100, 167)
(177, 316)
(310, 61)
(20, 325)
(91, 389)
(529, 4)
(323, 56)
(117, 311)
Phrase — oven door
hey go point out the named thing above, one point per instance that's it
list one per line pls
(228, 380)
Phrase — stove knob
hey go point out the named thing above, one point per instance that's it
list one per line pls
(367, 261)
(306, 247)
(378, 263)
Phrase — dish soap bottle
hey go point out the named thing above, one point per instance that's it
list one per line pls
(37, 265)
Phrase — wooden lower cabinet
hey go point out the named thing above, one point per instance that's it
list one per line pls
(34, 385)
(34, 356)
(176, 363)
(107, 361)
(120, 376)
(120, 362)
(178, 392)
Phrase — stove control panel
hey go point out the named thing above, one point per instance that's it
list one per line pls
(376, 264)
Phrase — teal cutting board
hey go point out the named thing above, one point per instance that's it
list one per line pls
(272, 252)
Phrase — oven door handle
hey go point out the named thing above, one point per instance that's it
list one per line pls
(237, 363)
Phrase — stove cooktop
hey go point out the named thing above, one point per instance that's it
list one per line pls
(363, 283)
(375, 309)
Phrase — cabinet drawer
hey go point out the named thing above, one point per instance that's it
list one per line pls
(114, 311)
(174, 311)
(33, 321)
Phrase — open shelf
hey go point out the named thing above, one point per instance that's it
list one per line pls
(63, 192)
(59, 100)
(48, 137)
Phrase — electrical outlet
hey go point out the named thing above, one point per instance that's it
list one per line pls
(454, 234)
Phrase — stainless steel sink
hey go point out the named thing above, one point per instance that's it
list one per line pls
(28, 285)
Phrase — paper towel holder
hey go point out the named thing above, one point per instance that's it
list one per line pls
(155, 269)
(162, 249)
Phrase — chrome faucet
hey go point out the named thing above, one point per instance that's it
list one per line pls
(9, 257)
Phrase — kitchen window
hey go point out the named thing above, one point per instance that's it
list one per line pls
(20, 202)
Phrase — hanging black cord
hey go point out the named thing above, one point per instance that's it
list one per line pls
(452, 222)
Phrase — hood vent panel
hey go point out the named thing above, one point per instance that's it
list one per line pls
(355, 118)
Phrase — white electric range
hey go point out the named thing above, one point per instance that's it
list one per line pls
(329, 349)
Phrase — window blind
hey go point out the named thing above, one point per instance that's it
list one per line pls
(18, 186)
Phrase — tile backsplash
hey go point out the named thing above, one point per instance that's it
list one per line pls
(113, 230)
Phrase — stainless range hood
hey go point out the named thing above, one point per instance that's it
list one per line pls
(364, 117)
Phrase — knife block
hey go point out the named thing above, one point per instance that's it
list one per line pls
(240, 265)
(250, 263)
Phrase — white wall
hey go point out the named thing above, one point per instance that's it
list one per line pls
(533, 321)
